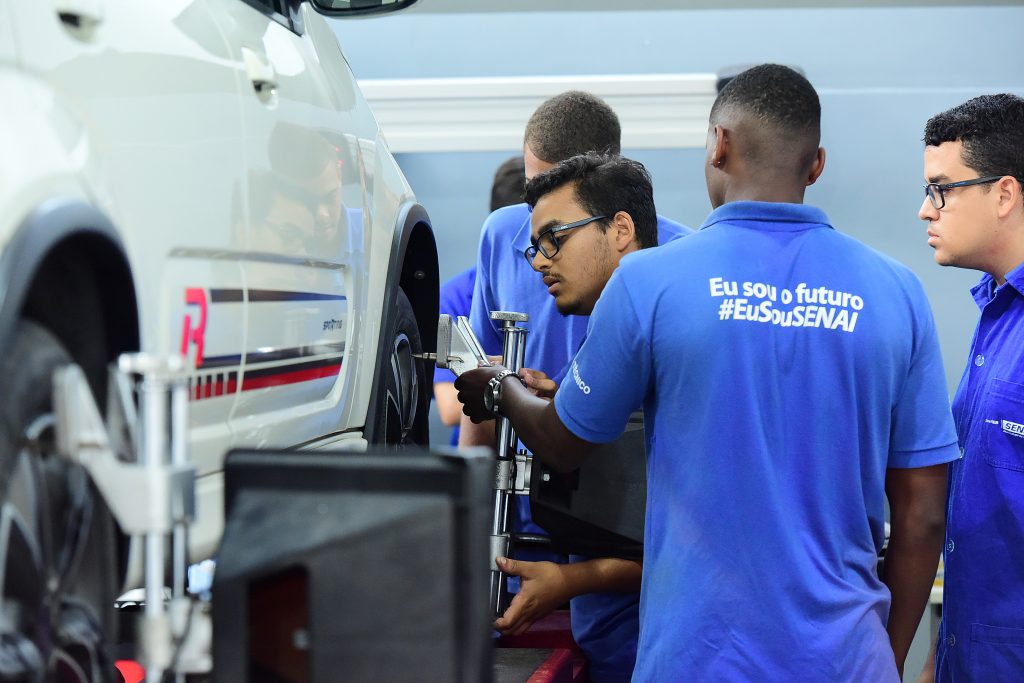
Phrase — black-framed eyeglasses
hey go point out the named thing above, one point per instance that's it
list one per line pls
(546, 242)
(936, 191)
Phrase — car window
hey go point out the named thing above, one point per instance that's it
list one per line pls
(267, 6)
(279, 11)
(275, 9)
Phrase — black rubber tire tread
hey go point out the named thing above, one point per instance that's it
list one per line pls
(82, 604)
(403, 322)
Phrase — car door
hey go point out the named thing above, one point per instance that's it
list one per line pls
(7, 52)
(145, 96)
(303, 262)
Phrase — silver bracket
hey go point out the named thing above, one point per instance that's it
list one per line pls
(524, 467)
(458, 349)
(146, 498)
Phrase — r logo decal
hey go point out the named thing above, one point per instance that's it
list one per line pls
(194, 335)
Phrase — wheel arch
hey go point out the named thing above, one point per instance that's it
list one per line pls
(66, 268)
(414, 270)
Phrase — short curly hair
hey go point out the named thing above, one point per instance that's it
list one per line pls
(605, 184)
(574, 122)
(786, 108)
(775, 94)
(991, 129)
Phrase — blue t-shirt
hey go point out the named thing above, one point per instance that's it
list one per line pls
(782, 367)
(982, 632)
(604, 624)
(456, 299)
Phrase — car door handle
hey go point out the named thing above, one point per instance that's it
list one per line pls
(260, 72)
(80, 14)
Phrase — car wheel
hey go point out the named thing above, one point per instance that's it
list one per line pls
(404, 387)
(58, 545)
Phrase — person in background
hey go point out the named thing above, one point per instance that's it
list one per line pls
(604, 616)
(457, 293)
(791, 381)
(604, 211)
(974, 207)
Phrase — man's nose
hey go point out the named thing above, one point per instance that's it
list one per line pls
(927, 212)
(540, 262)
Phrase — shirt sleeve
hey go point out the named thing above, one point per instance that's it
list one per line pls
(669, 230)
(923, 433)
(483, 292)
(608, 378)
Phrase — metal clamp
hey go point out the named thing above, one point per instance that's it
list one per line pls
(152, 495)
(523, 470)
(458, 349)
(166, 491)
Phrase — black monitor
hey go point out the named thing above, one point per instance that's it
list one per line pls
(354, 567)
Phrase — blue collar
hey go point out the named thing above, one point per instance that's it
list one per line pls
(986, 289)
(781, 216)
(521, 239)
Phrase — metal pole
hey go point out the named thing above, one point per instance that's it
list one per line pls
(513, 350)
(153, 397)
(179, 456)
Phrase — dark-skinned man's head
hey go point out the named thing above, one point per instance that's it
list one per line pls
(763, 137)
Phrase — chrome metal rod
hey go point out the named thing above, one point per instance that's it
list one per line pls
(153, 398)
(179, 456)
(513, 351)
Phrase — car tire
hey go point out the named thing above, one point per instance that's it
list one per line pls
(404, 389)
(59, 569)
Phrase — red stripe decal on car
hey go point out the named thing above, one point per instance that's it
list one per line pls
(250, 383)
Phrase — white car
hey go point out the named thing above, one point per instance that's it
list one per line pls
(199, 177)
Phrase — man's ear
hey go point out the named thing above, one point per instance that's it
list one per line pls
(818, 167)
(624, 232)
(721, 150)
(1009, 196)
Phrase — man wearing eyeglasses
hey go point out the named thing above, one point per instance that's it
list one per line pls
(791, 381)
(604, 617)
(974, 206)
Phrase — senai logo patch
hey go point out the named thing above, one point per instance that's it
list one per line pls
(1014, 428)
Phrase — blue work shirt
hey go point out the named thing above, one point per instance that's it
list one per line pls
(982, 633)
(783, 367)
(604, 624)
(456, 299)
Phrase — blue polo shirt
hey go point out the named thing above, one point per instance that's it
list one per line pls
(605, 625)
(982, 633)
(783, 367)
(456, 299)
